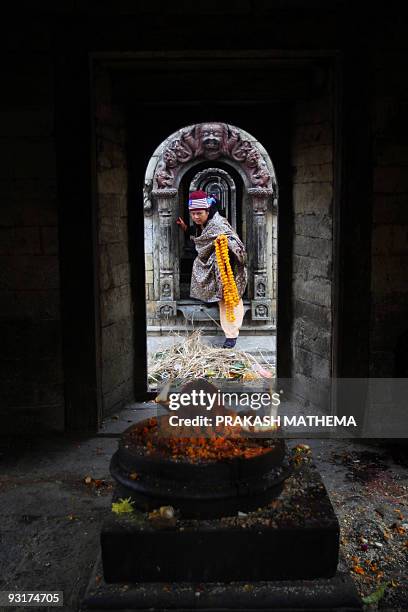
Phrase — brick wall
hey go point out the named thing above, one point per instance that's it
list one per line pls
(30, 348)
(312, 159)
(116, 312)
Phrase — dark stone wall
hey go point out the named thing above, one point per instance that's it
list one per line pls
(389, 282)
(116, 311)
(31, 377)
(312, 159)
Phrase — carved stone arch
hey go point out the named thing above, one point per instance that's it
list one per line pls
(179, 153)
(211, 141)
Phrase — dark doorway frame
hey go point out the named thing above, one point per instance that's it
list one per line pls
(77, 213)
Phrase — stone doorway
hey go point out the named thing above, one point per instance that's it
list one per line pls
(226, 161)
(237, 166)
(297, 131)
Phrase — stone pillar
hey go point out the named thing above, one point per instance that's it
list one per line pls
(166, 243)
(261, 303)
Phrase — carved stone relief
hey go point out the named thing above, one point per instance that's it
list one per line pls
(261, 310)
(147, 200)
(211, 141)
(166, 310)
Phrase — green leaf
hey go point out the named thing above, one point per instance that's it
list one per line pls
(376, 595)
(123, 506)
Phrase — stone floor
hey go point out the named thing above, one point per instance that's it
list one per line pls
(55, 492)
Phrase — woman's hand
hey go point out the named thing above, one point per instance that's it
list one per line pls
(182, 224)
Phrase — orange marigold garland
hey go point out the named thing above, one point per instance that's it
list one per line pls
(230, 291)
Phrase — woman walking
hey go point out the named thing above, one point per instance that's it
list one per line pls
(206, 277)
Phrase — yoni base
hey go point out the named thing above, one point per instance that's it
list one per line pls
(336, 594)
(294, 537)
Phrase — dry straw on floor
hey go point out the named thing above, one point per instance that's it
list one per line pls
(190, 358)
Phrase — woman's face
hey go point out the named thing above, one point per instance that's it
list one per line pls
(199, 215)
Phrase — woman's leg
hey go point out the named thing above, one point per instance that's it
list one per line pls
(231, 329)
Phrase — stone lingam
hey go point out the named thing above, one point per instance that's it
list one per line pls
(205, 488)
(216, 508)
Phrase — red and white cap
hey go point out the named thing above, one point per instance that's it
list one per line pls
(199, 200)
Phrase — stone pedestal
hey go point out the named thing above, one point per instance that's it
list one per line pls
(296, 536)
(283, 556)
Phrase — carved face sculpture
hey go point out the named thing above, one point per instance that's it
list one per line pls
(212, 137)
(170, 158)
(252, 158)
(166, 311)
(181, 152)
(261, 310)
(261, 290)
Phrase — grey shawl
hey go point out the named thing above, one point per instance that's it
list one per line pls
(206, 282)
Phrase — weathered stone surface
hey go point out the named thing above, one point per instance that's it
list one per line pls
(389, 274)
(32, 340)
(115, 252)
(390, 208)
(40, 371)
(20, 240)
(382, 363)
(309, 268)
(312, 390)
(49, 240)
(389, 318)
(26, 122)
(112, 205)
(112, 181)
(310, 364)
(111, 132)
(151, 310)
(148, 236)
(316, 291)
(148, 262)
(16, 211)
(317, 315)
(314, 225)
(316, 173)
(312, 337)
(24, 158)
(50, 394)
(117, 397)
(391, 154)
(313, 134)
(312, 155)
(312, 247)
(113, 275)
(117, 339)
(309, 112)
(390, 239)
(390, 179)
(33, 305)
(25, 272)
(313, 197)
(112, 229)
(117, 371)
(110, 155)
(115, 304)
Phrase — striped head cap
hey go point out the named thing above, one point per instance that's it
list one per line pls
(199, 200)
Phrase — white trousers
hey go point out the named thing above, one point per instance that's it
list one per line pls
(231, 329)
